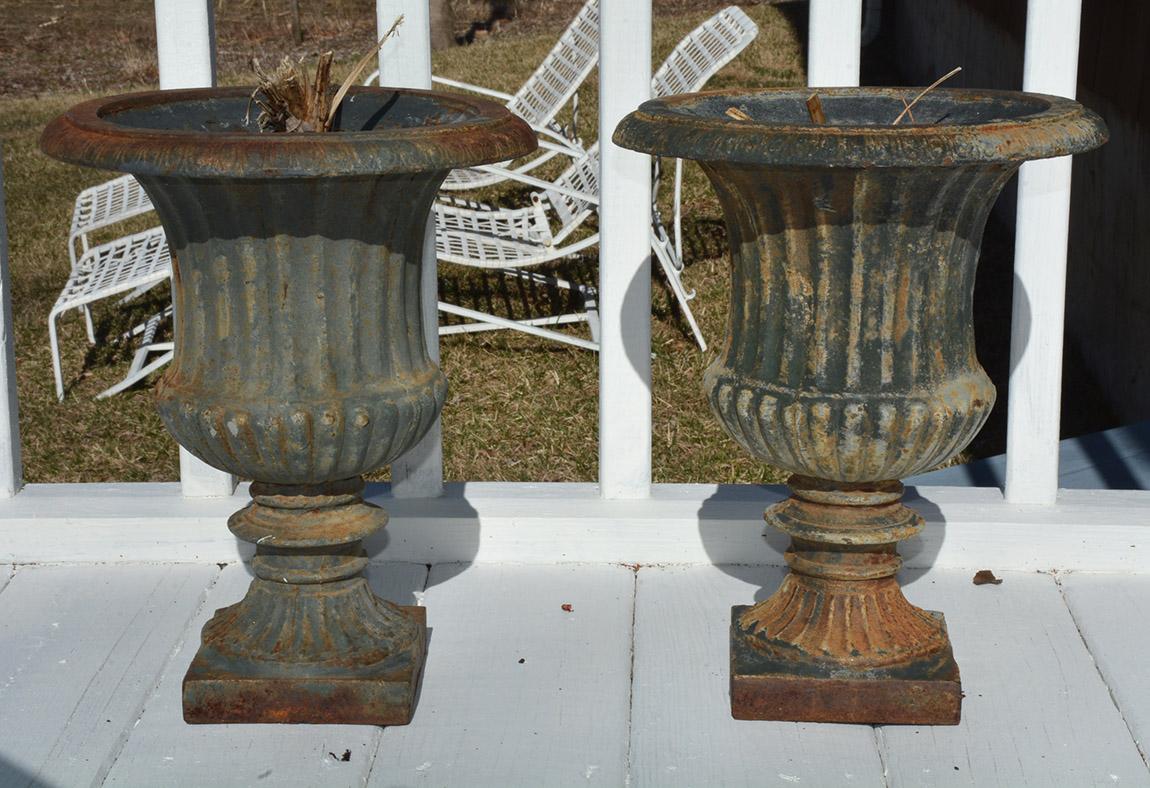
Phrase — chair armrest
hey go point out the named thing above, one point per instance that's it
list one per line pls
(539, 183)
(557, 142)
(472, 88)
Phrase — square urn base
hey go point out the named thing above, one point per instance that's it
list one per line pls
(767, 689)
(361, 696)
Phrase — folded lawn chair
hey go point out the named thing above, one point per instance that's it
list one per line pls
(478, 235)
(555, 82)
(482, 236)
(126, 266)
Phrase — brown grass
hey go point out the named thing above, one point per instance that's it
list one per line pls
(519, 409)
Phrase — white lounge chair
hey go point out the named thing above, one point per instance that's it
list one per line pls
(101, 206)
(479, 235)
(126, 266)
(695, 59)
(553, 84)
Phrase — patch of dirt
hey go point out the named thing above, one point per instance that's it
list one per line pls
(100, 46)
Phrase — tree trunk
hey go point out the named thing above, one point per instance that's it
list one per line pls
(442, 24)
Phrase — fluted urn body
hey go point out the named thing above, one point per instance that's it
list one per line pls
(300, 362)
(849, 358)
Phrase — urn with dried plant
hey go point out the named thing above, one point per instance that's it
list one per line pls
(300, 359)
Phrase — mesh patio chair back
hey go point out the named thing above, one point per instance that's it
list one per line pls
(103, 205)
(704, 51)
(561, 73)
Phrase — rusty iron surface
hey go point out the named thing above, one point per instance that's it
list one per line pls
(849, 358)
(209, 133)
(762, 688)
(220, 690)
(953, 127)
(299, 363)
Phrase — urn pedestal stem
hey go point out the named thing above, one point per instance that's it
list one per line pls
(838, 641)
(310, 642)
(849, 359)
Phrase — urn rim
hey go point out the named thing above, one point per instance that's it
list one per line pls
(123, 133)
(984, 127)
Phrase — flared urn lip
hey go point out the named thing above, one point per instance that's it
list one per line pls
(122, 133)
(952, 127)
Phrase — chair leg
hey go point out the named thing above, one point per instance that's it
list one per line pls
(537, 278)
(525, 327)
(89, 325)
(138, 373)
(677, 288)
(54, 344)
(480, 327)
(591, 307)
(679, 209)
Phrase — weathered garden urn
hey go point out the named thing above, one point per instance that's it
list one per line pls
(299, 363)
(849, 359)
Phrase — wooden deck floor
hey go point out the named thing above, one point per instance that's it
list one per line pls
(629, 688)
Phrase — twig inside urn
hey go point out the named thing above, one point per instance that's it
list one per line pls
(929, 88)
(815, 110)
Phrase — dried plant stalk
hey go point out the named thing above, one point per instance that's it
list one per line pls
(815, 110)
(290, 101)
(359, 67)
(929, 88)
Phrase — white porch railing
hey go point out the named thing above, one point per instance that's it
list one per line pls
(10, 466)
(186, 51)
(624, 518)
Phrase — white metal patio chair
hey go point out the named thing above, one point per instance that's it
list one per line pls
(479, 235)
(101, 206)
(552, 85)
(125, 266)
(696, 59)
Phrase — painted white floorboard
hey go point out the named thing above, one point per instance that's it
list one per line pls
(81, 648)
(682, 732)
(163, 750)
(1113, 614)
(517, 691)
(1036, 712)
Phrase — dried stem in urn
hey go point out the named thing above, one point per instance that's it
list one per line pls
(291, 101)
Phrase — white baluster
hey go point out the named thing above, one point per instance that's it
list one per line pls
(1043, 221)
(834, 41)
(405, 61)
(186, 51)
(624, 256)
(185, 43)
(11, 472)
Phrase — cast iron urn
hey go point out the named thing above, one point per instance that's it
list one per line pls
(849, 359)
(299, 363)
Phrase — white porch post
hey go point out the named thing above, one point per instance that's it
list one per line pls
(186, 51)
(185, 43)
(1043, 220)
(11, 471)
(405, 61)
(834, 41)
(624, 256)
